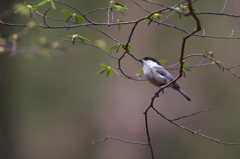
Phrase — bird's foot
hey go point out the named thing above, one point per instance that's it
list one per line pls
(156, 94)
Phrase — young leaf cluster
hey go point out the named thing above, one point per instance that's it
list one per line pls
(182, 8)
(77, 18)
(219, 64)
(119, 7)
(46, 1)
(153, 17)
(118, 46)
(119, 25)
(75, 36)
(107, 69)
(27, 10)
(185, 69)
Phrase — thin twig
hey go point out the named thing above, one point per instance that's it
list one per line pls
(117, 41)
(192, 131)
(94, 10)
(74, 9)
(45, 16)
(141, 6)
(224, 6)
(186, 116)
(202, 55)
(36, 18)
(117, 138)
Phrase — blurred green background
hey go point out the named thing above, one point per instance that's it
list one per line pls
(55, 109)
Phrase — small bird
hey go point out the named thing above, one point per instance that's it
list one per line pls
(159, 76)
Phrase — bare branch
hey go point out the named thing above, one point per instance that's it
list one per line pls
(225, 4)
(73, 8)
(94, 10)
(45, 16)
(141, 6)
(194, 114)
(117, 138)
(194, 132)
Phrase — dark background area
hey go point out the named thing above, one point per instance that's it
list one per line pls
(55, 109)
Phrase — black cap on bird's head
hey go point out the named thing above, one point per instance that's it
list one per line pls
(151, 59)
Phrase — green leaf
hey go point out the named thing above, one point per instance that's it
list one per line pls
(220, 65)
(34, 7)
(207, 52)
(30, 13)
(122, 13)
(119, 21)
(119, 27)
(109, 72)
(80, 19)
(65, 11)
(119, 4)
(22, 10)
(156, 16)
(83, 39)
(162, 61)
(53, 4)
(152, 16)
(148, 83)
(184, 8)
(169, 11)
(76, 20)
(101, 71)
(112, 48)
(184, 74)
(73, 42)
(185, 64)
(67, 20)
(128, 48)
(140, 72)
(117, 49)
(185, 67)
(179, 15)
(119, 8)
(104, 65)
(42, 3)
(211, 54)
(150, 21)
(195, 9)
(26, 2)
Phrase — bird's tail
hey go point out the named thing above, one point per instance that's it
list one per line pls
(184, 94)
(177, 87)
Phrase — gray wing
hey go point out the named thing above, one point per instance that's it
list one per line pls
(163, 72)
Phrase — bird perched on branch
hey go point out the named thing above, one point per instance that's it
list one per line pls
(159, 76)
